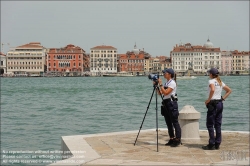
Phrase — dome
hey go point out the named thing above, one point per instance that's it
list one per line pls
(135, 50)
(208, 44)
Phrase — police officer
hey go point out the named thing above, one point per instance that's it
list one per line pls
(215, 107)
(170, 111)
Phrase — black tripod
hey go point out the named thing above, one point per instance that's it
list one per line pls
(155, 87)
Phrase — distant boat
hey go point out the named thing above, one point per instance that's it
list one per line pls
(34, 75)
(188, 77)
(119, 74)
(185, 77)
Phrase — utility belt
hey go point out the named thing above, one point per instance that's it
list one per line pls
(173, 98)
(215, 101)
(167, 100)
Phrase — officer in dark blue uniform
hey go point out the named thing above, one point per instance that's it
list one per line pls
(215, 107)
(170, 111)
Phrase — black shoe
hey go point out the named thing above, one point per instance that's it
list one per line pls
(170, 142)
(176, 142)
(208, 147)
(217, 146)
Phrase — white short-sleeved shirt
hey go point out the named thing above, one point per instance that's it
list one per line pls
(170, 84)
(218, 89)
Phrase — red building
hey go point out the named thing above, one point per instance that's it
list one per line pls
(133, 61)
(67, 61)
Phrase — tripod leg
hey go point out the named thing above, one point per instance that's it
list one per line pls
(145, 114)
(156, 117)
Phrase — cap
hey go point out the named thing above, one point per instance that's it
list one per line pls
(213, 71)
(169, 70)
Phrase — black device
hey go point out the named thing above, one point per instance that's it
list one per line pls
(174, 97)
(154, 77)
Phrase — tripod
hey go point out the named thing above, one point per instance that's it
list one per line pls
(155, 87)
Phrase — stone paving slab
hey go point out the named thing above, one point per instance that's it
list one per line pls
(120, 150)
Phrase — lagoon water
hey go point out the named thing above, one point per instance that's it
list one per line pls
(36, 112)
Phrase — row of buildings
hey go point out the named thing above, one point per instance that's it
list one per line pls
(35, 60)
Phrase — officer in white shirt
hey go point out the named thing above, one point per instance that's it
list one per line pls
(170, 111)
(215, 108)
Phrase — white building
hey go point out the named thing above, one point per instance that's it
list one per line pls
(3, 62)
(195, 57)
(26, 59)
(103, 59)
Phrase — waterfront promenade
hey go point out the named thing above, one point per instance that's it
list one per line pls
(118, 149)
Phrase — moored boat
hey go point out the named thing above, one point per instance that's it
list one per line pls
(185, 77)
(119, 74)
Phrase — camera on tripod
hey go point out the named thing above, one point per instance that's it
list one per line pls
(154, 77)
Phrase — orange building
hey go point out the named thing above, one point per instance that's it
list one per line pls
(165, 62)
(133, 61)
(66, 61)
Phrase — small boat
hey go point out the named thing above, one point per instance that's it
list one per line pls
(34, 75)
(188, 77)
(119, 74)
(185, 77)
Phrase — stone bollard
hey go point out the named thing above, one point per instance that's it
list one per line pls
(189, 122)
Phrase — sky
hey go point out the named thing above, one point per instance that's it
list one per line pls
(155, 26)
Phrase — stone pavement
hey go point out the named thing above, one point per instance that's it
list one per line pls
(120, 150)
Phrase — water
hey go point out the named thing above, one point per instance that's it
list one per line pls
(36, 112)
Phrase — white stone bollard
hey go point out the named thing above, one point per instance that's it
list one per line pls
(189, 122)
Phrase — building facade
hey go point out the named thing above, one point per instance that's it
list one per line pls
(28, 59)
(66, 61)
(3, 63)
(165, 62)
(134, 61)
(195, 57)
(240, 62)
(226, 65)
(103, 59)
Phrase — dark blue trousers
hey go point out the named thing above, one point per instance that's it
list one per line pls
(171, 114)
(214, 121)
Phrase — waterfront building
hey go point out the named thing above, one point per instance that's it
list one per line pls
(27, 59)
(240, 62)
(86, 62)
(122, 63)
(134, 61)
(66, 61)
(103, 59)
(164, 62)
(3, 63)
(226, 65)
(147, 65)
(195, 57)
(155, 65)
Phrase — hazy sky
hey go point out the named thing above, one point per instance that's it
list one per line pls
(154, 26)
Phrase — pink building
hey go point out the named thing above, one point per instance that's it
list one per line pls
(226, 59)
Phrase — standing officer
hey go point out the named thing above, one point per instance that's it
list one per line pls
(215, 107)
(170, 111)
